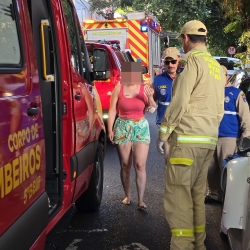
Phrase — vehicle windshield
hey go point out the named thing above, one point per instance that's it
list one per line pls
(98, 60)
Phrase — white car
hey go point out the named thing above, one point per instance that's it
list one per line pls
(232, 64)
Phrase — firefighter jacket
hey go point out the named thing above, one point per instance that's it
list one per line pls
(236, 115)
(197, 106)
(163, 89)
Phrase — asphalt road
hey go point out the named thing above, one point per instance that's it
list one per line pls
(119, 227)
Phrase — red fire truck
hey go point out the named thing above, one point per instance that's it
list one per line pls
(139, 33)
(52, 136)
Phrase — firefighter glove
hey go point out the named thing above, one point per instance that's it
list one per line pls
(159, 146)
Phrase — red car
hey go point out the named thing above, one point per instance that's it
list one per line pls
(106, 63)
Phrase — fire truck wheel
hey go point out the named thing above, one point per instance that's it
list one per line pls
(90, 200)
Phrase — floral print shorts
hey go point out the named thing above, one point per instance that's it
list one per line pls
(131, 130)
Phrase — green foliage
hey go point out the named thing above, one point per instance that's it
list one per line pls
(218, 40)
(234, 27)
(238, 12)
(223, 31)
(172, 14)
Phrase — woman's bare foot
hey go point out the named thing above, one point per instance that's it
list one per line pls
(126, 201)
(142, 205)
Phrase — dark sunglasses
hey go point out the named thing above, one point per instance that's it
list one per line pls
(172, 62)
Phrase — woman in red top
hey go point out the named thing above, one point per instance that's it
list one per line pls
(131, 133)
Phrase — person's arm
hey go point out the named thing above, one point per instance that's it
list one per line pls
(243, 111)
(112, 111)
(183, 86)
(148, 93)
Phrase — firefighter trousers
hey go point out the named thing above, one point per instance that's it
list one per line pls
(225, 146)
(185, 185)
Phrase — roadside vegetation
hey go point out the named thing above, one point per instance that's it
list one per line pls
(227, 21)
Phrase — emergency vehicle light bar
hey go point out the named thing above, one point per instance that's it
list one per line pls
(44, 23)
(119, 20)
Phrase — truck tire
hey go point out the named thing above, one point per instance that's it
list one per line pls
(90, 200)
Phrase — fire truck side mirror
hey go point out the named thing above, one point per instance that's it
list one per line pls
(100, 65)
(144, 70)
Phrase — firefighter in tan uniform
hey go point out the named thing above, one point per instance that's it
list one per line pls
(191, 125)
(235, 124)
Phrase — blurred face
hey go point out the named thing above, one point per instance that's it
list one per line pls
(171, 64)
(131, 78)
(131, 73)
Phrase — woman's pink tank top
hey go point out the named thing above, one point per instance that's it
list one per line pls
(133, 107)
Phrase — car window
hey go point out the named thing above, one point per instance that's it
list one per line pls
(99, 60)
(10, 53)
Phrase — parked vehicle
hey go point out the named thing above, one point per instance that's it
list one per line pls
(52, 137)
(235, 182)
(232, 64)
(106, 62)
(140, 33)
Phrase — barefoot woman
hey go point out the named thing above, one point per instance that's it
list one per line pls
(131, 133)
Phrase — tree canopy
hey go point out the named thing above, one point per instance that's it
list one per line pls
(227, 21)
(238, 12)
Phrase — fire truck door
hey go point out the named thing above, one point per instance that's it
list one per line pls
(83, 105)
(47, 65)
(22, 183)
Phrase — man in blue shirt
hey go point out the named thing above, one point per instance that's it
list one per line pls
(234, 124)
(162, 84)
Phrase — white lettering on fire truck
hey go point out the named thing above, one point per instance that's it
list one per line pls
(106, 33)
